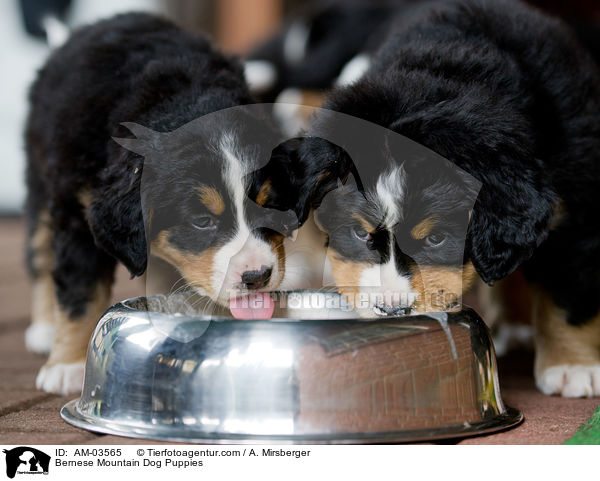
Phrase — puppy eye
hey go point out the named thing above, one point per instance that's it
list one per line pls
(362, 234)
(204, 223)
(435, 240)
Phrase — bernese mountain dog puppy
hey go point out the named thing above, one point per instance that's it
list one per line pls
(507, 94)
(85, 202)
(395, 216)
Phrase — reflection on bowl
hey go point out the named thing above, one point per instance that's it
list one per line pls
(183, 377)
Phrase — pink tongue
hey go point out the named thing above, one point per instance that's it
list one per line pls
(257, 305)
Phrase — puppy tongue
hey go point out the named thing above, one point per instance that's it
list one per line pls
(258, 305)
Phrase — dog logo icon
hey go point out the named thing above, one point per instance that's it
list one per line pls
(26, 460)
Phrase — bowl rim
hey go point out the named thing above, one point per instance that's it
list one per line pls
(504, 420)
(125, 305)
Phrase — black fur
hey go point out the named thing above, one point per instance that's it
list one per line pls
(507, 94)
(131, 68)
(337, 31)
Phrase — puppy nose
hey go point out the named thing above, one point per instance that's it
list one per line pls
(257, 279)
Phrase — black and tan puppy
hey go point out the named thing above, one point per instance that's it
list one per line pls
(85, 196)
(507, 94)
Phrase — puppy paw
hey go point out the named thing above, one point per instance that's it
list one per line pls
(570, 381)
(61, 379)
(39, 337)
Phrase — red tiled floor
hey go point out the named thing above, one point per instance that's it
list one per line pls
(28, 416)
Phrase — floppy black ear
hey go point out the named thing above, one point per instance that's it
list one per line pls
(115, 214)
(115, 219)
(511, 217)
(324, 166)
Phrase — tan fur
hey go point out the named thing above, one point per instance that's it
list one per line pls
(559, 343)
(438, 287)
(263, 193)
(423, 228)
(347, 276)
(85, 198)
(278, 249)
(41, 244)
(72, 335)
(43, 298)
(366, 225)
(508, 300)
(558, 215)
(196, 268)
(211, 198)
(312, 98)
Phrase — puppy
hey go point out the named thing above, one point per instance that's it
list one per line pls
(87, 202)
(509, 96)
(314, 46)
(396, 222)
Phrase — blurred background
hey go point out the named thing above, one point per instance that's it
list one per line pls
(29, 28)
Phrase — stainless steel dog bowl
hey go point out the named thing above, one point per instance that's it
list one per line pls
(152, 374)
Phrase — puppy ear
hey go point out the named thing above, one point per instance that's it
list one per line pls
(325, 165)
(511, 217)
(147, 141)
(115, 215)
(116, 221)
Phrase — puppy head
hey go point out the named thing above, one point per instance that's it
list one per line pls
(396, 233)
(203, 214)
(488, 137)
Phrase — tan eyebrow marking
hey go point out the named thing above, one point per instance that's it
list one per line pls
(197, 269)
(263, 193)
(211, 198)
(423, 228)
(366, 225)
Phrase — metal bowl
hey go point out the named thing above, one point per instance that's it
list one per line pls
(152, 374)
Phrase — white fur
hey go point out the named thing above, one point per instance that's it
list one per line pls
(385, 277)
(390, 192)
(295, 43)
(61, 379)
(57, 32)
(384, 280)
(353, 70)
(260, 75)
(570, 381)
(288, 111)
(244, 251)
(39, 337)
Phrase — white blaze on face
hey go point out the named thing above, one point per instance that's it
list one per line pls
(390, 195)
(384, 280)
(245, 251)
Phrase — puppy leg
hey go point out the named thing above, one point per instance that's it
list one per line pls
(507, 310)
(63, 373)
(82, 276)
(567, 359)
(40, 333)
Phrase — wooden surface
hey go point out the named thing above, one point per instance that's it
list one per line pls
(28, 416)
